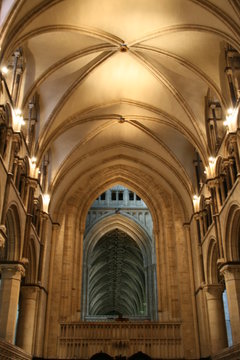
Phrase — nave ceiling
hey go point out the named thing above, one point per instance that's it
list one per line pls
(122, 86)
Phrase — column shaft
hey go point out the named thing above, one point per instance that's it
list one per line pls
(9, 296)
(26, 321)
(216, 317)
(232, 281)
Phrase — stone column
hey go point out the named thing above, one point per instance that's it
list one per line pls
(18, 173)
(11, 275)
(192, 284)
(204, 220)
(216, 317)
(17, 55)
(26, 321)
(219, 200)
(125, 197)
(232, 172)
(231, 274)
(222, 190)
(5, 200)
(201, 228)
(228, 175)
(233, 150)
(28, 137)
(108, 197)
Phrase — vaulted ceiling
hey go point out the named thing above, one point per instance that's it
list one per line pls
(122, 84)
(116, 277)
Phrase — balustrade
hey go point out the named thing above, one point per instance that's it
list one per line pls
(9, 351)
(158, 340)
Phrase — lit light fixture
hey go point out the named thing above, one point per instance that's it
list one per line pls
(18, 120)
(33, 161)
(210, 169)
(19, 117)
(33, 167)
(4, 70)
(231, 119)
(46, 200)
(196, 202)
(21, 121)
(18, 112)
(211, 160)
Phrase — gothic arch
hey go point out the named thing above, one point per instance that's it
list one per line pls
(232, 234)
(139, 356)
(21, 178)
(219, 165)
(101, 356)
(211, 262)
(31, 271)
(12, 249)
(74, 208)
(37, 209)
(152, 196)
(144, 243)
(124, 223)
(238, 116)
(5, 123)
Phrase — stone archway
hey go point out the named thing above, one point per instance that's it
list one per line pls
(139, 356)
(232, 236)
(11, 251)
(116, 277)
(131, 259)
(101, 356)
(73, 252)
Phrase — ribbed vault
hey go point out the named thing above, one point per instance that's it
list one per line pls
(130, 81)
(116, 276)
(119, 270)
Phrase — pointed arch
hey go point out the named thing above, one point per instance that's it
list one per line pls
(31, 271)
(12, 249)
(212, 276)
(232, 234)
(138, 268)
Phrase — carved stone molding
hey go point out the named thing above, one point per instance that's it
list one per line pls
(213, 291)
(12, 270)
(231, 272)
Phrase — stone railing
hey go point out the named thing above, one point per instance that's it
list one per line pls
(231, 353)
(158, 340)
(9, 351)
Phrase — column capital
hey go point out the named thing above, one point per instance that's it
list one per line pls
(231, 271)
(196, 215)
(31, 182)
(213, 291)
(12, 270)
(212, 183)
